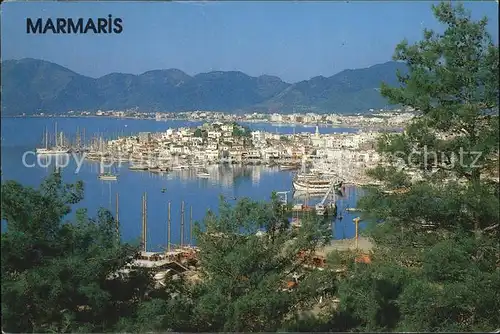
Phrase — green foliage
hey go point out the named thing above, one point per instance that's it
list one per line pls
(198, 133)
(62, 276)
(55, 275)
(241, 131)
(435, 264)
(244, 273)
(284, 138)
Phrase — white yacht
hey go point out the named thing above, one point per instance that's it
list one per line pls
(311, 184)
(203, 173)
(107, 176)
(52, 150)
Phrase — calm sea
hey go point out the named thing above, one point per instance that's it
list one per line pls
(19, 135)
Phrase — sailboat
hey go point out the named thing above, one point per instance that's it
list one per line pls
(107, 176)
(53, 150)
(313, 182)
(44, 150)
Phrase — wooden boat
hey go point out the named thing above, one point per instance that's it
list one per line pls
(314, 184)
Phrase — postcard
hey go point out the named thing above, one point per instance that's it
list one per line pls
(234, 166)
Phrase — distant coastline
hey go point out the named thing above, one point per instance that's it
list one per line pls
(217, 90)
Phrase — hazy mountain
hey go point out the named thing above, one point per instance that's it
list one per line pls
(31, 85)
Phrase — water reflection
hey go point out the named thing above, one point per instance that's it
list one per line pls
(231, 181)
(225, 175)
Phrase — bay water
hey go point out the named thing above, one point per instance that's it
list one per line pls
(20, 135)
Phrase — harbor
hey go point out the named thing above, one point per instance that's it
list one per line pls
(181, 258)
(340, 156)
(197, 148)
(233, 181)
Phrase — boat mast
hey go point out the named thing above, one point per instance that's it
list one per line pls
(77, 140)
(144, 223)
(168, 228)
(142, 216)
(117, 221)
(182, 223)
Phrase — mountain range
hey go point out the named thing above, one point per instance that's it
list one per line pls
(31, 86)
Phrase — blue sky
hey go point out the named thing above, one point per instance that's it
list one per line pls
(293, 40)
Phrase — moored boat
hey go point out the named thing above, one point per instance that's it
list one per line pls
(289, 166)
(311, 184)
(108, 177)
(314, 183)
(203, 173)
(52, 151)
(57, 149)
(180, 167)
(138, 167)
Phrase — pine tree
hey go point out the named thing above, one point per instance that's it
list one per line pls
(58, 275)
(436, 265)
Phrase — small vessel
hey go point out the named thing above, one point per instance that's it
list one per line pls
(180, 167)
(197, 165)
(163, 190)
(138, 167)
(314, 184)
(203, 173)
(52, 150)
(107, 176)
(154, 169)
(289, 166)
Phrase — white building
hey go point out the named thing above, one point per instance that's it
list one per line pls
(316, 140)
